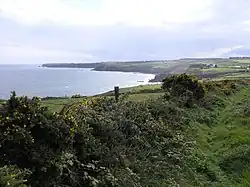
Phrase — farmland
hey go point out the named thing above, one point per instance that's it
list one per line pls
(212, 68)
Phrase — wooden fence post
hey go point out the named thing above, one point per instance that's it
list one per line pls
(116, 93)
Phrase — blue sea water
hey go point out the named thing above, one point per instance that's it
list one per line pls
(32, 80)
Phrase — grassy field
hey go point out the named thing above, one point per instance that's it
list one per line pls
(150, 88)
(224, 67)
(56, 105)
(138, 93)
(243, 61)
(144, 96)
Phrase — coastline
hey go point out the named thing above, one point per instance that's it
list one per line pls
(153, 76)
(157, 68)
(129, 79)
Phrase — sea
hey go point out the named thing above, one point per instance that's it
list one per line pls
(34, 80)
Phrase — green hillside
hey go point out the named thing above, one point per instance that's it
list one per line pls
(190, 133)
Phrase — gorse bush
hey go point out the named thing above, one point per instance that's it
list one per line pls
(31, 140)
(99, 142)
(185, 88)
(182, 84)
(133, 142)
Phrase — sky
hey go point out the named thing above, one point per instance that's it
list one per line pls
(42, 31)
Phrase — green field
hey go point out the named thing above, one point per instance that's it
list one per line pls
(138, 93)
(222, 69)
(243, 61)
(56, 105)
(137, 89)
(225, 67)
(144, 96)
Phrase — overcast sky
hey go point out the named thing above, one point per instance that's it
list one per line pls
(39, 31)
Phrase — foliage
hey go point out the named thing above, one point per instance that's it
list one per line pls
(227, 86)
(94, 143)
(184, 84)
(77, 96)
(97, 142)
(134, 142)
(157, 142)
(185, 87)
(12, 176)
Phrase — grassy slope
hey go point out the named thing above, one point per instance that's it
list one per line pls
(226, 143)
(231, 136)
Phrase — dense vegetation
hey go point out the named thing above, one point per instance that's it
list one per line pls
(196, 134)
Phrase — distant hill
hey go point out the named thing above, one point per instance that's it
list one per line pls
(71, 65)
(202, 58)
(201, 67)
(238, 58)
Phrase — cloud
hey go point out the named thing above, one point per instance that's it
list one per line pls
(220, 52)
(16, 50)
(107, 12)
(96, 30)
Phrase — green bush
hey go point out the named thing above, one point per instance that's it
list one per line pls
(98, 142)
(183, 84)
(77, 96)
(185, 88)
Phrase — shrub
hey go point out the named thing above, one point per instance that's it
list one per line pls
(77, 96)
(179, 85)
(99, 142)
(136, 145)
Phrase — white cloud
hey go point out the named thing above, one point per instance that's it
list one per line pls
(107, 12)
(220, 52)
(98, 30)
(18, 52)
